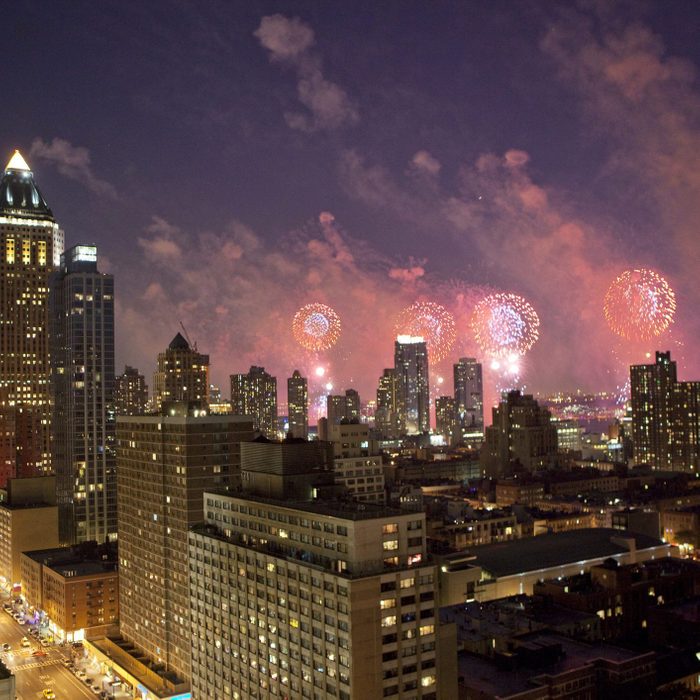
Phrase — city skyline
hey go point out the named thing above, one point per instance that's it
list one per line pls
(419, 183)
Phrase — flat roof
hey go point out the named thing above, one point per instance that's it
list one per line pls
(555, 549)
(484, 675)
(346, 510)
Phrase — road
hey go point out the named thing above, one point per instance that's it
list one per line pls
(33, 674)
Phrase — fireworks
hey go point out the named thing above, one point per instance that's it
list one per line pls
(316, 327)
(639, 305)
(505, 325)
(431, 321)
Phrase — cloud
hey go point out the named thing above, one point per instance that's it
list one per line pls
(424, 162)
(289, 41)
(160, 244)
(407, 275)
(73, 162)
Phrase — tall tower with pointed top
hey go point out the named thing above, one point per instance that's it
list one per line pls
(31, 244)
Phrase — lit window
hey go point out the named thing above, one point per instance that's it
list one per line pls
(390, 545)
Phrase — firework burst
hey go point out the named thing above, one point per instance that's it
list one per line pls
(505, 325)
(316, 327)
(431, 321)
(639, 305)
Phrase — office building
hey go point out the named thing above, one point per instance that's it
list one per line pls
(165, 463)
(387, 417)
(255, 395)
(469, 392)
(130, 393)
(182, 375)
(343, 407)
(82, 383)
(31, 244)
(303, 598)
(522, 437)
(413, 386)
(665, 416)
(298, 405)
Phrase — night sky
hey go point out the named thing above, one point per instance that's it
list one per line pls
(235, 160)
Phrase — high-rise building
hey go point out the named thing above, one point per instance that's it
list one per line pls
(165, 463)
(469, 392)
(31, 244)
(341, 407)
(387, 418)
(411, 365)
(130, 393)
(522, 436)
(255, 395)
(298, 405)
(446, 418)
(304, 598)
(182, 375)
(82, 383)
(665, 416)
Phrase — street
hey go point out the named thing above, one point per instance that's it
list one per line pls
(34, 673)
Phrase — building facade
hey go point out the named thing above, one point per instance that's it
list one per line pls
(469, 392)
(446, 418)
(182, 375)
(165, 463)
(82, 385)
(521, 437)
(255, 394)
(307, 600)
(343, 407)
(130, 393)
(298, 405)
(31, 244)
(387, 418)
(413, 383)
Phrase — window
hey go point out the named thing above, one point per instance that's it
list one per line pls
(390, 528)
(389, 621)
(387, 604)
(390, 545)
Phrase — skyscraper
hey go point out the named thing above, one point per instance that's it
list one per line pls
(469, 392)
(31, 244)
(182, 375)
(165, 463)
(82, 383)
(130, 393)
(387, 420)
(298, 405)
(665, 416)
(413, 388)
(255, 394)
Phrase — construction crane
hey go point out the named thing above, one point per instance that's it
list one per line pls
(187, 337)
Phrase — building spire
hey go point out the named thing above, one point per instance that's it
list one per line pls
(17, 162)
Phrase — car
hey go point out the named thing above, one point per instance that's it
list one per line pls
(6, 647)
(39, 652)
(87, 680)
(44, 643)
(49, 694)
(25, 643)
(81, 674)
(104, 694)
(96, 689)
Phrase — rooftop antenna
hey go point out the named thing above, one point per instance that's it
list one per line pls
(187, 337)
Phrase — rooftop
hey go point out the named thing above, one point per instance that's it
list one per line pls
(556, 549)
(19, 195)
(343, 509)
(488, 677)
